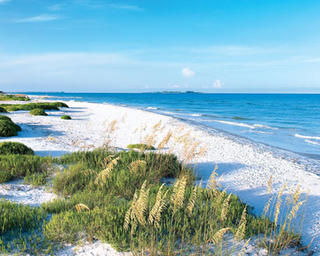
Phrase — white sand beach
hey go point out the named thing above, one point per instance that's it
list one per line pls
(244, 168)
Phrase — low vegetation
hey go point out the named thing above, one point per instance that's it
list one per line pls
(141, 147)
(66, 117)
(38, 112)
(2, 110)
(9, 148)
(19, 166)
(13, 97)
(121, 198)
(7, 127)
(31, 106)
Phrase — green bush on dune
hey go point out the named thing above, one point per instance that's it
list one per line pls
(66, 117)
(19, 166)
(30, 106)
(2, 110)
(8, 148)
(7, 127)
(19, 217)
(38, 112)
(12, 97)
(141, 146)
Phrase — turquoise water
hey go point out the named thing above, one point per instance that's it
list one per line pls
(287, 121)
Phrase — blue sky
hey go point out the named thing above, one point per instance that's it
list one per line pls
(146, 45)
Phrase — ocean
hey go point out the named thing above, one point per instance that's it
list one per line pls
(286, 121)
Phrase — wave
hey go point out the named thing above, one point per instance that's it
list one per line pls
(265, 126)
(235, 124)
(152, 108)
(196, 115)
(312, 142)
(306, 137)
(240, 118)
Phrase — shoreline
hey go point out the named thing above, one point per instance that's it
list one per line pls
(245, 168)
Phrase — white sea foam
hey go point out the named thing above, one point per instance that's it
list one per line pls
(152, 108)
(264, 126)
(312, 142)
(307, 137)
(235, 124)
(196, 115)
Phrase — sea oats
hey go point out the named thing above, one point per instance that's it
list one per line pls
(212, 183)
(218, 236)
(225, 208)
(81, 207)
(177, 197)
(192, 200)
(165, 140)
(138, 166)
(278, 205)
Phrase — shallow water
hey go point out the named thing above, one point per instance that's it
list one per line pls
(287, 121)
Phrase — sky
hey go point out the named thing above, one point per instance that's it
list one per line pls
(147, 45)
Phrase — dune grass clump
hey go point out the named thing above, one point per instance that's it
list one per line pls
(19, 166)
(7, 127)
(12, 97)
(121, 198)
(141, 146)
(3, 110)
(38, 112)
(19, 217)
(9, 148)
(66, 117)
(31, 106)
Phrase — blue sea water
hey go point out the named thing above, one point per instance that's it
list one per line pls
(287, 121)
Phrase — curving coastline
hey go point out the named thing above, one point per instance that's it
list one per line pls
(245, 167)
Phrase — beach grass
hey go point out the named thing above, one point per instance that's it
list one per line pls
(122, 198)
(18, 166)
(141, 146)
(13, 97)
(31, 106)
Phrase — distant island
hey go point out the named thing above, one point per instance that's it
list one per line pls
(178, 92)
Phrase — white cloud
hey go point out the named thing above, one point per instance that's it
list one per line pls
(125, 7)
(217, 84)
(39, 18)
(234, 50)
(187, 72)
(55, 7)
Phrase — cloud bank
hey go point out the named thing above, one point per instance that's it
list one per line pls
(39, 18)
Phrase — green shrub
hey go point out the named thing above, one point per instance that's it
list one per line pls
(3, 110)
(7, 148)
(38, 112)
(36, 179)
(7, 127)
(10, 97)
(141, 146)
(66, 117)
(30, 106)
(17, 166)
(19, 217)
(72, 180)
